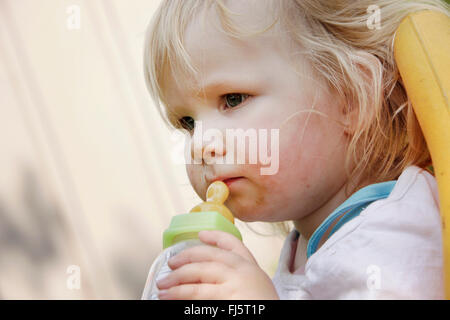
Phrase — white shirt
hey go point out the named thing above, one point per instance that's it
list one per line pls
(392, 250)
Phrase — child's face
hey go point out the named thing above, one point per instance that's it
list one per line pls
(311, 147)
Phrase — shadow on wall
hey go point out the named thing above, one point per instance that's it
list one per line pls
(131, 262)
(31, 232)
(37, 244)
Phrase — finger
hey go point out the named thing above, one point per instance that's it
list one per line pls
(202, 291)
(226, 241)
(204, 272)
(204, 254)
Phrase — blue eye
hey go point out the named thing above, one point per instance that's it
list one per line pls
(187, 123)
(232, 100)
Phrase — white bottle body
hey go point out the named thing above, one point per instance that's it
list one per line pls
(160, 269)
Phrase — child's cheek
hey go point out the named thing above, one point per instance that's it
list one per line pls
(294, 142)
(194, 174)
(299, 152)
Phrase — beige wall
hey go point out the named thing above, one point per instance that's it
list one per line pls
(85, 172)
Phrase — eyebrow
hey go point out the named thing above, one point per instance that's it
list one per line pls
(214, 86)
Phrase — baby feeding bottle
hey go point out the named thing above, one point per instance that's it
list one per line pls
(183, 232)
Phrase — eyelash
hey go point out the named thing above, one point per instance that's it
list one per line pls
(223, 97)
(222, 107)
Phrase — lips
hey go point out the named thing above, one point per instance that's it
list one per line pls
(229, 181)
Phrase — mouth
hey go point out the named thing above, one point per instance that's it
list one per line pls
(228, 181)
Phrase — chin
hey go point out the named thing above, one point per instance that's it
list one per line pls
(248, 213)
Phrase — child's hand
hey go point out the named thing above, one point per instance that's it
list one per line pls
(226, 271)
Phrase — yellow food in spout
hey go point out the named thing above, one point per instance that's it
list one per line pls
(216, 195)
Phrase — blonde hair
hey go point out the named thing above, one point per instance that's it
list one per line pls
(356, 61)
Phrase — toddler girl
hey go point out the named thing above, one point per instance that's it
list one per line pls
(352, 161)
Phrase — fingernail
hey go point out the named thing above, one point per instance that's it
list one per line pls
(162, 282)
(206, 232)
(163, 294)
(172, 261)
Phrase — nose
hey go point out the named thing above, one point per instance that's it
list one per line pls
(207, 144)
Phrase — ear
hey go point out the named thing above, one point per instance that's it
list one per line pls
(350, 120)
(348, 110)
(362, 91)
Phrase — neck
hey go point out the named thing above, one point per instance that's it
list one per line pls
(308, 224)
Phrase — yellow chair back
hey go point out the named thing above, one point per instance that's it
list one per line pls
(422, 53)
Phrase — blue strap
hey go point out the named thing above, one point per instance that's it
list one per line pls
(346, 218)
(354, 205)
